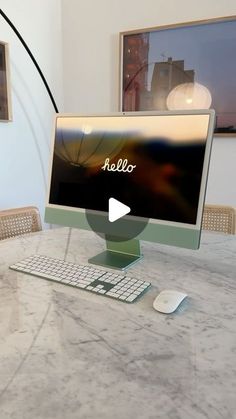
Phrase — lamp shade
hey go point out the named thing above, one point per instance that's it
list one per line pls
(85, 148)
(189, 96)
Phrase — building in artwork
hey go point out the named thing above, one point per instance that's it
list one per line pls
(166, 76)
(135, 62)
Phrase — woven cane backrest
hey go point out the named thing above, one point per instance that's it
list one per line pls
(219, 218)
(18, 221)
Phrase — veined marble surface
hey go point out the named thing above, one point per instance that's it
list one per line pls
(69, 354)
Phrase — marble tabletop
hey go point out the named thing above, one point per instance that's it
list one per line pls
(69, 354)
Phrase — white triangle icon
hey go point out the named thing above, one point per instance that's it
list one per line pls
(117, 210)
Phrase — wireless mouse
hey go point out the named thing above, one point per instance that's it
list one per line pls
(168, 301)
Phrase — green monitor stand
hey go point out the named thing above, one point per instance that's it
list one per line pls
(119, 254)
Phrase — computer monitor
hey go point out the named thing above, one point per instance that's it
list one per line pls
(155, 164)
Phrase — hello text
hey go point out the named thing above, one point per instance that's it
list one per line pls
(120, 166)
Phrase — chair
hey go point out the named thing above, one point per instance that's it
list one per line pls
(219, 218)
(18, 221)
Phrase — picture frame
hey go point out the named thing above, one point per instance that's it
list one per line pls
(189, 65)
(5, 96)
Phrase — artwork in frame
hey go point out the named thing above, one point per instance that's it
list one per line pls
(183, 66)
(5, 100)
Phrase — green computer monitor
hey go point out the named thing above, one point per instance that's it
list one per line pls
(155, 163)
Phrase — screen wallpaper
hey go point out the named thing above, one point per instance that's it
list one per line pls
(151, 163)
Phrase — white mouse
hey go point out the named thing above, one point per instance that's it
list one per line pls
(168, 301)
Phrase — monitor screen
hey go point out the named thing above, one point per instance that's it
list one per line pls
(156, 164)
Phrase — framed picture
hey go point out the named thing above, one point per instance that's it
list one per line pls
(184, 66)
(5, 98)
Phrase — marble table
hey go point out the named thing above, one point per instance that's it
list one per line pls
(69, 354)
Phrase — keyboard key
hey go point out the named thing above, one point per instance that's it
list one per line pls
(131, 297)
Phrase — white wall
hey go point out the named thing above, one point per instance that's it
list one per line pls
(91, 63)
(222, 174)
(24, 142)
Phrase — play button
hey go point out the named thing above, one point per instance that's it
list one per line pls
(115, 222)
(117, 210)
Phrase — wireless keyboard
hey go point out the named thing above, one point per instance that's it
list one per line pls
(88, 278)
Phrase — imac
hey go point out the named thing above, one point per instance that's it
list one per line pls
(155, 164)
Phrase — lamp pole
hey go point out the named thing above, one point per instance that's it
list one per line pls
(31, 56)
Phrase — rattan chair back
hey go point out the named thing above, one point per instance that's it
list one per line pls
(219, 218)
(18, 221)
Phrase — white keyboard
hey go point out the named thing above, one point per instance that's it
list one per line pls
(87, 277)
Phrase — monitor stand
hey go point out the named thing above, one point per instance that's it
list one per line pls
(119, 254)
